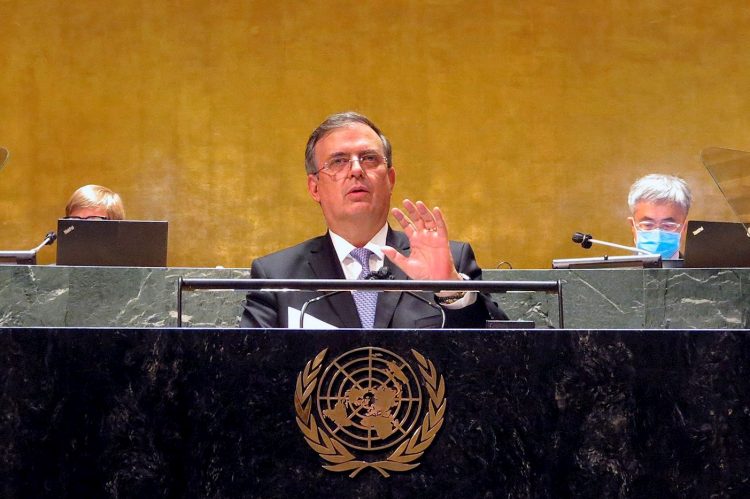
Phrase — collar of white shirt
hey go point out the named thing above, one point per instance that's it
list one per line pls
(349, 265)
(352, 268)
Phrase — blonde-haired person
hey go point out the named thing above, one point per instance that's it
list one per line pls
(95, 202)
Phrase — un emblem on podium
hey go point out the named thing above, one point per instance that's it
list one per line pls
(368, 409)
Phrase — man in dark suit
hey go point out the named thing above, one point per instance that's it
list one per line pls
(350, 174)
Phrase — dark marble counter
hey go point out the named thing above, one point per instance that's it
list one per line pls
(210, 413)
(594, 299)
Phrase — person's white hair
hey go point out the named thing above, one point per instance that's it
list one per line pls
(660, 188)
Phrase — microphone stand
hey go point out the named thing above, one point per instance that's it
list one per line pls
(640, 258)
(383, 274)
(309, 302)
(28, 257)
(585, 240)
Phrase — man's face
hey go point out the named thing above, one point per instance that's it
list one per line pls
(658, 213)
(354, 195)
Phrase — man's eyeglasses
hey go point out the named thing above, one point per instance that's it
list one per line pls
(338, 164)
(649, 225)
(93, 217)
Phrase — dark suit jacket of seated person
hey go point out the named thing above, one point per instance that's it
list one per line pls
(316, 259)
(350, 174)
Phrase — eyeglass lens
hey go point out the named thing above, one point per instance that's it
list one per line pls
(648, 225)
(367, 160)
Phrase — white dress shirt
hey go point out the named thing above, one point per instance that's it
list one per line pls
(352, 267)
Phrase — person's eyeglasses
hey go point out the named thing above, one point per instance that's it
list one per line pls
(338, 164)
(93, 217)
(649, 225)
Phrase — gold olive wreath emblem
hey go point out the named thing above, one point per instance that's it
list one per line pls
(369, 399)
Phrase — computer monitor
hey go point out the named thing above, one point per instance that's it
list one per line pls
(130, 243)
(716, 244)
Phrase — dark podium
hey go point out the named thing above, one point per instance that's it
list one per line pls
(211, 413)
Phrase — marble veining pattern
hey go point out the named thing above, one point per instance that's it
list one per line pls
(594, 298)
(538, 413)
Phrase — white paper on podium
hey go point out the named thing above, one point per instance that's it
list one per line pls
(311, 322)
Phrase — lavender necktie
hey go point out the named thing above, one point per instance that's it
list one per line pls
(366, 301)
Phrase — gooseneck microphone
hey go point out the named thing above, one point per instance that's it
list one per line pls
(310, 302)
(27, 257)
(586, 240)
(582, 239)
(383, 274)
(48, 240)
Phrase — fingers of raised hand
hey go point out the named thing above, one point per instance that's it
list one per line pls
(419, 219)
(420, 216)
(414, 217)
(412, 224)
(426, 217)
(440, 224)
(403, 220)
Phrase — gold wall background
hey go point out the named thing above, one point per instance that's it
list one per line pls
(524, 120)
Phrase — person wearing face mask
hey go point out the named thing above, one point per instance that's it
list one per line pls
(659, 206)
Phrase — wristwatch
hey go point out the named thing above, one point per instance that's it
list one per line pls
(448, 299)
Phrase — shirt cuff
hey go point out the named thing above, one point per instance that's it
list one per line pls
(468, 299)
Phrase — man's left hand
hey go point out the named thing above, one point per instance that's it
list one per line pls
(430, 257)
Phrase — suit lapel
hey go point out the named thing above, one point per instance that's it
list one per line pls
(324, 264)
(388, 300)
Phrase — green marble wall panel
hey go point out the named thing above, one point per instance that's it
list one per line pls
(598, 298)
(112, 296)
(33, 295)
(634, 298)
(52, 296)
(706, 298)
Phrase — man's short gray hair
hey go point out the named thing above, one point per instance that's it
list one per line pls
(341, 120)
(660, 188)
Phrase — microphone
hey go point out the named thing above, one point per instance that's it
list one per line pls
(586, 240)
(380, 275)
(385, 274)
(48, 240)
(27, 257)
(310, 302)
(583, 239)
